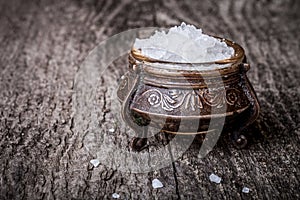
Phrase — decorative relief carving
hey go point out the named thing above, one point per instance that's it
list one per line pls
(191, 99)
(232, 96)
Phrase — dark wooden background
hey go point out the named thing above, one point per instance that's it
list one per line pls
(42, 44)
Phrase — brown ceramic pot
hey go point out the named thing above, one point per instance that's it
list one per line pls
(183, 98)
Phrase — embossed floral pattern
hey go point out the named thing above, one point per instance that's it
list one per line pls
(154, 99)
(232, 96)
(191, 99)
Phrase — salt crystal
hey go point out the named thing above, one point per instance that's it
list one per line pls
(115, 196)
(184, 43)
(157, 184)
(214, 178)
(95, 162)
(112, 130)
(245, 190)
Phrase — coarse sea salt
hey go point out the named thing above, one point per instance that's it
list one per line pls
(95, 162)
(115, 196)
(111, 130)
(157, 184)
(245, 190)
(185, 44)
(214, 178)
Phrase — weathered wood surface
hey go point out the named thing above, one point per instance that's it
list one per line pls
(43, 156)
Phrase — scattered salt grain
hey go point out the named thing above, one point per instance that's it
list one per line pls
(95, 162)
(111, 130)
(157, 184)
(214, 178)
(184, 43)
(115, 196)
(245, 190)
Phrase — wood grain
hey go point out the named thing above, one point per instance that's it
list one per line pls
(43, 156)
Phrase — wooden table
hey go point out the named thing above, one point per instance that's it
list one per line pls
(43, 155)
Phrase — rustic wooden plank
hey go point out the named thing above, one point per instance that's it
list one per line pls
(43, 155)
(264, 30)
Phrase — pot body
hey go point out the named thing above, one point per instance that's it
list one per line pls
(184, 98)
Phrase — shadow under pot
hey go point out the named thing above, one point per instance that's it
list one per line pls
(185, 98)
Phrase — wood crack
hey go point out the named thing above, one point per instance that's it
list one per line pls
(174, 172)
